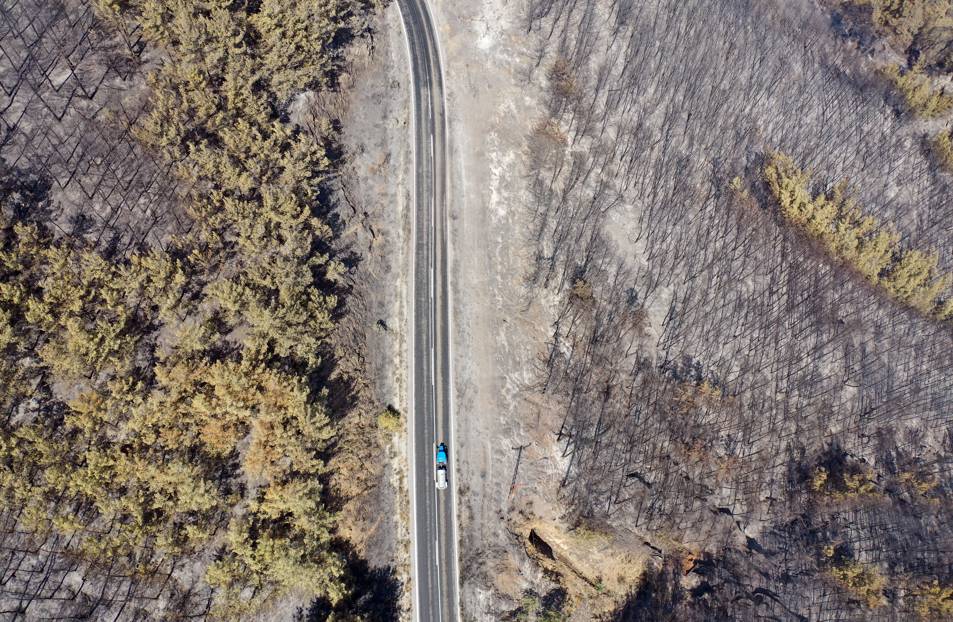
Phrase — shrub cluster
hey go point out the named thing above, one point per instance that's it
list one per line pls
(921, 26)
(865, 582)
(870, 247)
(918, 91)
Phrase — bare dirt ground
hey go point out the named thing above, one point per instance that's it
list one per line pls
(498, 328)
(508, 458)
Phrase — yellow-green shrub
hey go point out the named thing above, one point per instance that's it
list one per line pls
(902, 22)
(933, 601)
(864, 582)
(870, 247)
(389, 421)
(919, 93)
(943, 150)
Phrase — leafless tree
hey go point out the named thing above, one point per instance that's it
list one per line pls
(716, 352)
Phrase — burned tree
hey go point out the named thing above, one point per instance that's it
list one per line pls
(717, 351)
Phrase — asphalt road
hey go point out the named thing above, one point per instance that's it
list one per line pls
(434, 544)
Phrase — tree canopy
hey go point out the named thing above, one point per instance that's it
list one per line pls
(164, 403)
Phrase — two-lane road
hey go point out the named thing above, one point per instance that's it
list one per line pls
(434, 516)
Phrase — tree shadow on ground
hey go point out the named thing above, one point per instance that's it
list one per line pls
(375, 596)
(657, 597)
(24, 194)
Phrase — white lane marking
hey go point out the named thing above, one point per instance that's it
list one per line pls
(436, 554)
(433, 362)
(433, 281)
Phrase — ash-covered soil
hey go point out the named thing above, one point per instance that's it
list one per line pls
(72, 90)
(652, 363)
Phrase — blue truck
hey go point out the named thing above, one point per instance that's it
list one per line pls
(441, 473)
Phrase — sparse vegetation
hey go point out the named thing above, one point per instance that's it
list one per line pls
(581, 291)
(923, 27)
(563, 82)
(921, 31)
(390, 421)
(934, 601)
(923, 484)
(778, 309)
(942, 147)
(842, 480)
(547, 608)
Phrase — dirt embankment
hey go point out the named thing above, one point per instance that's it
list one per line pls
(373, 198)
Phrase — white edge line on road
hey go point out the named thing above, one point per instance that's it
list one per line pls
(432, 259)
(410, 343)
(446, 225)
